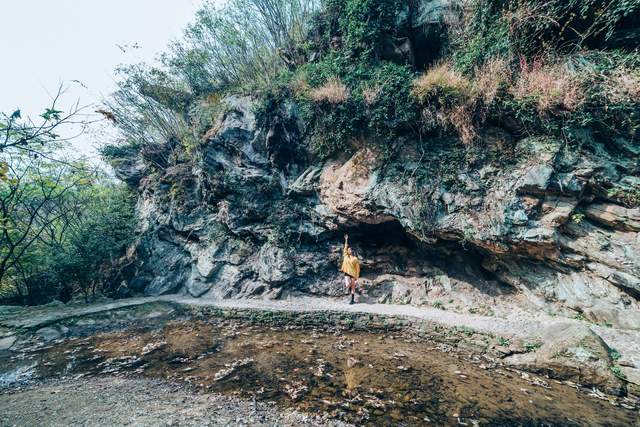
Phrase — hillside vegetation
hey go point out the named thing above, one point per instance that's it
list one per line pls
(63, 222)
(381, 70)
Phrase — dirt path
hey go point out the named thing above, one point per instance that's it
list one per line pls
(139, 402)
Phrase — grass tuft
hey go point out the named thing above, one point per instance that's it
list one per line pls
(333, 92)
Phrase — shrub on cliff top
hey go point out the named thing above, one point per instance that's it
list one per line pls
(531, 28)
(509, 61)
(358, 27)
(378, 105)
(241, 43)
(148, 105)
(348, 93)
(556, 95)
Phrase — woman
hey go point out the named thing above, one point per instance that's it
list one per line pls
(350, 268)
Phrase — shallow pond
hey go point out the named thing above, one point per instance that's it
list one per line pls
(360, 377)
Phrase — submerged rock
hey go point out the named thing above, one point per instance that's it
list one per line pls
(231, 369)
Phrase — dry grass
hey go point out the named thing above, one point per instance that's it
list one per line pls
(455, 100)
(333, 92)
(370, 94)
(441, 80)
(491, 77)
(462, 120)
(553, 87)
(624, 86)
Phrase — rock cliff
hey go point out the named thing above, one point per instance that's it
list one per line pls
(526, 222)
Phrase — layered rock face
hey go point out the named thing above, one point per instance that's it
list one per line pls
(533, 225)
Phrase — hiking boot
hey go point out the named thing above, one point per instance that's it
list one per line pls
(352, 299)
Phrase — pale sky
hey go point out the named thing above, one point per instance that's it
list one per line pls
(48, 42)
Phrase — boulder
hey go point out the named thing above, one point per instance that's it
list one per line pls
(571, 352)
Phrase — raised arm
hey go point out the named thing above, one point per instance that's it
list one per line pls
(346, 245)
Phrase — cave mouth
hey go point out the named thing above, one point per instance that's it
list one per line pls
(388, 248)
(379, 235)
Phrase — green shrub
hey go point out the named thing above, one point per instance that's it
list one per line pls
(364, 24)
(119, 151)
(390, 109)
(439, 305)
(618, 372)
(148, 107)
(484, 34)
(241, 43)
(503, 342)
(375, 103)
(333, 128)
(530, 347)
(349, 94)
(357, 27)
(615, 356)
(530, 28)
(580, 316)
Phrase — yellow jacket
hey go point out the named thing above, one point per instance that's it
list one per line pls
(350, 263)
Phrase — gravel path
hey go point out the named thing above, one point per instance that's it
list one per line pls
(109, 401)
(519, 324)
